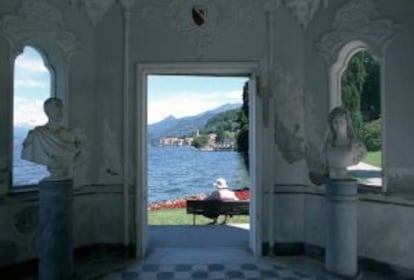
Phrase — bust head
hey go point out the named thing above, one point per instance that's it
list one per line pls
(52, 145)
(342, 148)
(340, 124)
(53, 108)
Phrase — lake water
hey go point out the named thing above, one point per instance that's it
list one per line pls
(173, 172)
(25, 172)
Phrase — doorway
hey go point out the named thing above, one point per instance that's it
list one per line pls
(144, 70)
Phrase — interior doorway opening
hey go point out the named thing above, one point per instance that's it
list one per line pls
(197, 132)
(145, 72)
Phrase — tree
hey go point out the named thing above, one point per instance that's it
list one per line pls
(371, 97)
(361, 96)
(243, 120)
(200, 141)
(353, 80)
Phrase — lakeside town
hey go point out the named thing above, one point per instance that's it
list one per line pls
(211, 142)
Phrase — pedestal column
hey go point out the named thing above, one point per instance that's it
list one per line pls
(341, 259)
(55, 230)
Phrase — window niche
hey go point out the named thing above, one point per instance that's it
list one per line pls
(32, 84)
(356, 85)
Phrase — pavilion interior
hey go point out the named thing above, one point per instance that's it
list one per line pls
(294, 53)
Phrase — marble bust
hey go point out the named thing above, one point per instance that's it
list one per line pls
(342, 148)
(52, 144)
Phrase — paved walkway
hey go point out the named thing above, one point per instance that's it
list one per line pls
(367, 174)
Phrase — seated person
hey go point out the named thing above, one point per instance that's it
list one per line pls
(221, 193)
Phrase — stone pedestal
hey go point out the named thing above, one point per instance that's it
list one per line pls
(341, 259)
(55, 230)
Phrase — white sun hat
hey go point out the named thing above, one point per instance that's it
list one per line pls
(221, 183)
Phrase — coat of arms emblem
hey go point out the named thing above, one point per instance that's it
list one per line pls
(199, 15)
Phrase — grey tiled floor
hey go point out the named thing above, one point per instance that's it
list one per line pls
(204, 252)
(249, 270)
(208, 252)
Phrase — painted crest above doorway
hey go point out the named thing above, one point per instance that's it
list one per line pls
(199, 15)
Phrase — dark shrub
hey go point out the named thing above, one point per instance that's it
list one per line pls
(371, 135)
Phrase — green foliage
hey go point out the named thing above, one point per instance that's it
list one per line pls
(361, 96)
(243, 120)
(221, 123)
(353, 80)
(374, 158)
(361, 90)
(245, 106)
(200, 141)
(233, 124)
(371, 135)
(243, 139)
(371, 97)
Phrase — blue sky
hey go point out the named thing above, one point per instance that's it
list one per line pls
(190, 95)
(167, 95)
(31, 88)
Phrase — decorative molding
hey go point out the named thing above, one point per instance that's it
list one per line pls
(358, 20)
(26, 220)
(217, 16)
(95, 10)
(304, 10)
(289, 115)
(271, 5)
(111, 153)
(37, 20)
(127, 4)
(299, 130)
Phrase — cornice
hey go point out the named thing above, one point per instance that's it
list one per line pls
(95, 10)
(304, 10)
(34, 21)
(357, 20)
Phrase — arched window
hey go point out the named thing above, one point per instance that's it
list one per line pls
(361, 95)
(32, 86)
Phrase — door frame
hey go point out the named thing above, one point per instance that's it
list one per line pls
(242, 69)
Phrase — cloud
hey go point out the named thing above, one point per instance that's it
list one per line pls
(184, 104)
(28, 112)
(30, 73)
(30, 64)
(30, 83)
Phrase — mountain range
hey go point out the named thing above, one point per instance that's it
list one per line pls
(186, 126)
(168, 127)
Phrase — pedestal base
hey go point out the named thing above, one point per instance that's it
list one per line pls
(341, 258)
(55, 230)
(326, 275)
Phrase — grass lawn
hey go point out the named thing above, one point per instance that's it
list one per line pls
(180, 217)
(373, 158)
